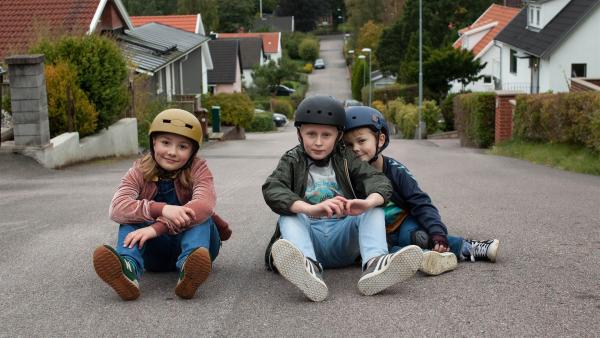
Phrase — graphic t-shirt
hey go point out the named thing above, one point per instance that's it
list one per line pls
(321, 184)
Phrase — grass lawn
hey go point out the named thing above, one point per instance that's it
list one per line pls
(561, 156)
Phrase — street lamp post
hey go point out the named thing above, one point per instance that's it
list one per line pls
(368, 50)
(420, 67)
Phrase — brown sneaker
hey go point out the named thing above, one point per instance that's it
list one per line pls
(194, 272)
(117, 272)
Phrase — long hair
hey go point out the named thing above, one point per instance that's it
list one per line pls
(151, 169)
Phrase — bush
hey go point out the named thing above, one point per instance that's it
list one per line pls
(308, 68)
(571, 118)
(291, 42)
(379, 106)
(358, 80)
(432, 114)
(236, 109)
(475, 119)
(262, 122)
(406, 117)
(448, 111)
(101, 71)
(298, 96)
(309, 49)
(283, 107)
(64, 95)
(408, 92)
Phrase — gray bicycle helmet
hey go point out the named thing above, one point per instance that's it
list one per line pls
(320, 109)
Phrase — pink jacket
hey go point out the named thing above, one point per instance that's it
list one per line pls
(132, 202)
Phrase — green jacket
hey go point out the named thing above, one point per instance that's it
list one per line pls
(287, 183)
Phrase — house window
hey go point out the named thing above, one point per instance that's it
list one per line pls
(487, 79)
(578, 70)
(513, 61)
(533, 17)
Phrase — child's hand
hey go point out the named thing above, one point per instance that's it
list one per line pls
(140, 235)
(332, 207)
(179, 216)
(357, 206)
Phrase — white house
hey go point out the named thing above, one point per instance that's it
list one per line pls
(548, 43)
(479, 39)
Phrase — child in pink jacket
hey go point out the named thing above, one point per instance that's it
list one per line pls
(165, 208)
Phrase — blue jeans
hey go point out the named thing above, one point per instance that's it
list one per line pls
(169, 252)
(403, 237)
(337, 242)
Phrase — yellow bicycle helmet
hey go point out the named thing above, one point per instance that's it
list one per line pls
(177, 121)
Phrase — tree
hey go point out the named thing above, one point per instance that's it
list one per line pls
(268, 6)
(358, 78)
(309, 49)
(442, 19)
(369, 35)
(449, 64)
(305, 12)
(209, 9)
(270, 75)
(235, 15)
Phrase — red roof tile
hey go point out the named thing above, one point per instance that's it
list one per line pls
(183, 22)
(270, 40)
(494, 14)
(23, 21)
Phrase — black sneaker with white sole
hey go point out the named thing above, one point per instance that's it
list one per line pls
(483, 250)
(299, 270)
(386, 270)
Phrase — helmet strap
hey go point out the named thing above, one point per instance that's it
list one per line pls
(378, 149)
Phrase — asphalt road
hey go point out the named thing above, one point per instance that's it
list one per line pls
(544, 284)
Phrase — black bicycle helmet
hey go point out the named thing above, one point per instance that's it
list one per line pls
(363, 116)
(320, 109)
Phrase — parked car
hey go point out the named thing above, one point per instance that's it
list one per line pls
(350, 103)
(282, 90)
(319, 64)
(280, 120)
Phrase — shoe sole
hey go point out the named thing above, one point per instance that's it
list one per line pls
(290, 263)
(436, 263)
(197, 267)
(493, 249)
(108, 267)
(404, 265)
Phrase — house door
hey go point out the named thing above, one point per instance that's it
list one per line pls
(534, 65)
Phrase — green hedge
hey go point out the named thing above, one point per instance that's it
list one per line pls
(475, 119)
(572, 118)
(406, 115)
(262, 122)
(408, 92)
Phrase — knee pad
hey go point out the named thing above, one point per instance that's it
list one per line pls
(420, 238)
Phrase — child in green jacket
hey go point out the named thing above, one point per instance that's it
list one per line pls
(329, 206)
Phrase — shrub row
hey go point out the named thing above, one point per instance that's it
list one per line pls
(572, 118)
(405, 116)
(408, 92)
(474, 118)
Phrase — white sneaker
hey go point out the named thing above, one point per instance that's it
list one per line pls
(299, 270)
(386, 270)
(435, 263)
